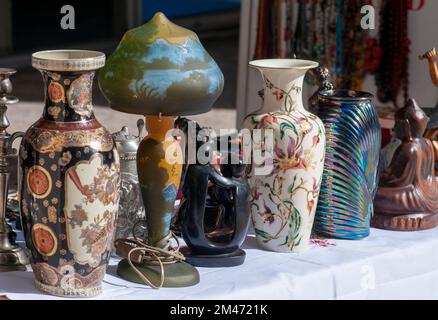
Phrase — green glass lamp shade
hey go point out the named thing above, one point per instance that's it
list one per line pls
(161, 67)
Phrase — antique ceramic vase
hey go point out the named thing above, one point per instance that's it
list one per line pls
(69, 185)
(349, 181)
(285, 186)
(159, 70)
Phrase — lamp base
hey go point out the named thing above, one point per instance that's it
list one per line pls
(176, 275)
(13, 259)
(225, 260)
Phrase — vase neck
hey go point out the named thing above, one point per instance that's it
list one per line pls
(68, 96)
(283, 90)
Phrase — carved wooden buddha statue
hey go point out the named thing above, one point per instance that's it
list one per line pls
(407, 198)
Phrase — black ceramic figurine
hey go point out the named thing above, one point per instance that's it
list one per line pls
(215, 214)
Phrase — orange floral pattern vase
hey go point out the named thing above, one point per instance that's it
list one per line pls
(285, 185)
(70, 180)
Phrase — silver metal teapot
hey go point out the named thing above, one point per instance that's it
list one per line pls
(131, 208)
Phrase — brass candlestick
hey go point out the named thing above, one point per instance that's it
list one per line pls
(12, 257)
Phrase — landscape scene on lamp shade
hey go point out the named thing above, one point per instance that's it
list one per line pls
(162, 76)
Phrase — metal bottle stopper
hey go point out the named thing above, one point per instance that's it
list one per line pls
(12, 257)
(131, 208)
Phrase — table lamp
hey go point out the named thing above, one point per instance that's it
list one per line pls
(159, 70)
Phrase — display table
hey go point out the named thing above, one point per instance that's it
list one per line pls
(386, 265)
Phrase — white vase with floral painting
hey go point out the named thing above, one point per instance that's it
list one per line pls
(285, 185)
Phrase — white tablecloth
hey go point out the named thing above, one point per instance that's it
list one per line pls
(396, 265)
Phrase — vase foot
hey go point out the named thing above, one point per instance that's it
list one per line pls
(232, 259)
(70, 293)
(13, 259)
(176, 275)
(405, 222)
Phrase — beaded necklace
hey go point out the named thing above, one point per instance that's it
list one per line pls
(392, 76)
(325, 30)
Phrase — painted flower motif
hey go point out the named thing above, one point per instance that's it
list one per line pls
(58, 183)
(53, 167)
(65, 158)
(255, 194)
(268, 216)
(308, 159)
(54, 111)
(46, 203)
(45, 274)
(300, 120)
(44, 241)
(78, 95)
(310, 204)
(97, 249)
(52, 215)
(62, 236)
(78, 154)
(41, 161)
(61, 220)
(67, 270)
(56, 92)
(86, 150)
(35, 206)
(55, 76)
(291, 159)
(78, 216)
(109, 228)
(315, 184)
(306, 127)
(89, 235)
(279, 94)
(52, 155)
(44, 220)
(67, 82)
(63, 252)
(54, 200)
(267, 121)
(315, 140)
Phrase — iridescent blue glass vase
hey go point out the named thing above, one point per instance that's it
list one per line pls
(349, 181)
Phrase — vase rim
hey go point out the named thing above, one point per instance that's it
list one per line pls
(68, 60)
(283, 64)
(345, 94)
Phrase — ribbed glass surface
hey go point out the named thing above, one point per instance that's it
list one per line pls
(349, 180)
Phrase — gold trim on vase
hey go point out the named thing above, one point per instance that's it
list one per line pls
(45, 141)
